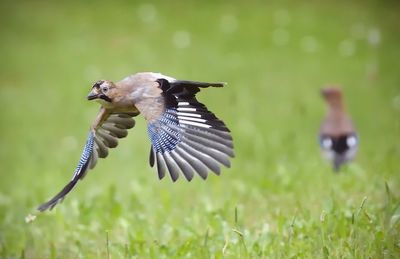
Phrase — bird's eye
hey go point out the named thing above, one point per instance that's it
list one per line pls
(104, 89)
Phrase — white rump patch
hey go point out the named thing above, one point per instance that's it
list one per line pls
(326, 143)
(161, 76)
(351, 141)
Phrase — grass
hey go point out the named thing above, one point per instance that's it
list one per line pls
(280, 199)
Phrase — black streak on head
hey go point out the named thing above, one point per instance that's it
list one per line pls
(98, 83)
(105, 98)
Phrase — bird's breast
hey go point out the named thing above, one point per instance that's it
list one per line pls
(104, 103)
(124, 107)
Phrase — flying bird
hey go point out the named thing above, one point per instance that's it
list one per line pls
(338, 137)
(186, 138)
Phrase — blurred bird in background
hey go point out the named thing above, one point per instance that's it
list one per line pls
(338, 138)
(186, 138)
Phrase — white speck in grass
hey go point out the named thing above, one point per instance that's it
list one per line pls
(94, 226)
(309, 44)
(181, 39)
(348, 213)
(30, 218)
(347, 48)
(265, 228)
(280, 37)
(124, 223)
(395, 218)
(322, 216)
(281, 17)
(147, 13)
(396, 102)
(374, 36)
(228, 23)
(208, 205)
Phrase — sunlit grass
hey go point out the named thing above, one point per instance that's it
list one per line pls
(279, 199)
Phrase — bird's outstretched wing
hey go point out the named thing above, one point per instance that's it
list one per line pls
(105, 136)
(187, 137)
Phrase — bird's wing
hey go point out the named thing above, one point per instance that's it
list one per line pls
(186, 137)
(105, 135)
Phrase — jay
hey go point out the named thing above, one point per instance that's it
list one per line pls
(186, 138)
(338, 138)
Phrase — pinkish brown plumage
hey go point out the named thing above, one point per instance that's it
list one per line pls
(338, 137)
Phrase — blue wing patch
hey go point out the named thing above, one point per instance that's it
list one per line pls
(187, 139)
(164, 133)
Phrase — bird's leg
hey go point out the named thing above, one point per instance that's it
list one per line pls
(100, 118)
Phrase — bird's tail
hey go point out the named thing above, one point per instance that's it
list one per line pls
(338, 161)
(184, 88)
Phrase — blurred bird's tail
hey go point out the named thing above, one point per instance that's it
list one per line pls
(337, 163)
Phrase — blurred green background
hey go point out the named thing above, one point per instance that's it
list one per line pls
(280, 199)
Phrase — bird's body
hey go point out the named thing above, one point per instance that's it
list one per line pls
(338, 137)
(185, 137)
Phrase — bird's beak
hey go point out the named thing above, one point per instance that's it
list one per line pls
(93, 95)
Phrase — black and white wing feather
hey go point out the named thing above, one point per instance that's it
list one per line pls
(187, 138)
(97, 145)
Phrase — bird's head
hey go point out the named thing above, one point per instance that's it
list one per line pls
(332, 95)
(102, 91)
